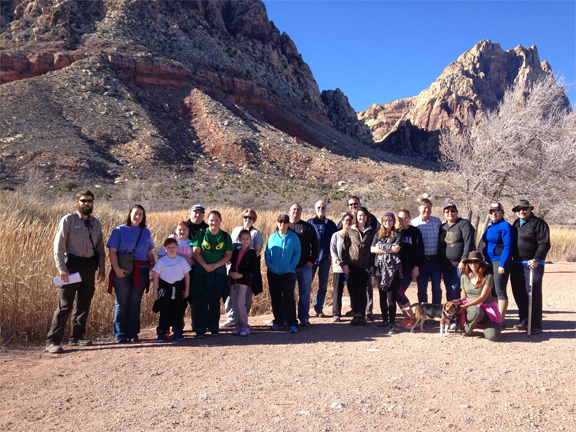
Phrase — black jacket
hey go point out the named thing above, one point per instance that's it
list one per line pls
(308, 242)
(249, 267)
(531, 240)
(412, 252)
(455, 242)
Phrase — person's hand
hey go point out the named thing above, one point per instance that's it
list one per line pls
(64, 276)
(501, 270)
(155, 295)
(461, 266)
(309, 264)
(120, 273)
(532, 264)
(395, 249)
(101, 277)
(415, 272)
(186, 293)
(346, 269)
(209, 268)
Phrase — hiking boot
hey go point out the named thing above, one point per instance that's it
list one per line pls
(349, 313)
(362, 321)
(54, 348)
(320, 314)
(355, 321)
(522, 325)
(79, 342)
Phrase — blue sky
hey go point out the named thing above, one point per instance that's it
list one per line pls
(380, 51)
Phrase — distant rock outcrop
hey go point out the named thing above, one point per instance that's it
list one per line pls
(473, 84)
(343, 116)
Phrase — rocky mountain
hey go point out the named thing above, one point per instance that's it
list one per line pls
(472, 84)
(144, 97)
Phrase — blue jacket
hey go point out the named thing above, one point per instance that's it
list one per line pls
(498, 240)
(282, 252)
(324, 242)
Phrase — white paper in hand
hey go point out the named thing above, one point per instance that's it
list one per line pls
(73, 278)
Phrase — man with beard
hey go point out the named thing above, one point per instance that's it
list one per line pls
(78, 248)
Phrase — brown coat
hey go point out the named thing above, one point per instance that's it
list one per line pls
(356, 247)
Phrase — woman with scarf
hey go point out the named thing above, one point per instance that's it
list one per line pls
(386, 246)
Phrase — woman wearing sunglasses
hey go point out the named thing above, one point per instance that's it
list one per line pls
(498, 239)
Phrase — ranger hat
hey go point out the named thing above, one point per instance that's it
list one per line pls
(521, 203)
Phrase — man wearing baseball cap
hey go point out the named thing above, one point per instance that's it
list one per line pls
(531, 244)
(455, 242)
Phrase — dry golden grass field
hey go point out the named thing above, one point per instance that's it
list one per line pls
(27, 294)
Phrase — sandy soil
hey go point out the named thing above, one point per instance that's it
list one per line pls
(328, 377)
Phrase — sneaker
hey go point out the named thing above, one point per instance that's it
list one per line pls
(245, 331)
(355, 321)
(535, 331)
(383, 324)
(403, 322)
(369, 317)
(336, 319)
(227, 324)
(522, 325)
(293, 329)
(452, 326)
(79, 342)
(320, 314)
(179, 336)
(135, 339)
(161, 337)
(409, 325)
(305, 323)
(199, 335)
(391, 329)
(275, 327)
(123, 341)
(362, 321)
(54, 348)
(236, 330)
(349, 313)
(214, 334)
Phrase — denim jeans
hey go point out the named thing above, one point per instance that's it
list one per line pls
(451, 279)
(127, 308)
(323, 273)
(304, 277)
(430, 269)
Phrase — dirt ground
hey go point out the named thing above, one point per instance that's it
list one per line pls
(328, 377)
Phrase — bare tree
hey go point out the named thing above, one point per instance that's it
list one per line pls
(526, 148)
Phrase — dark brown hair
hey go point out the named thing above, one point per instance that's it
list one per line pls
(170, 241)
(368, 217)
(251, 212)
(84, 192)
(142, 222)
(424, 201)
(482, 273)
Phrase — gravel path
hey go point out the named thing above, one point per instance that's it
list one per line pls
(329, 377)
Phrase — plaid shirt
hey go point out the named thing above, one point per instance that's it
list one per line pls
(430, 232)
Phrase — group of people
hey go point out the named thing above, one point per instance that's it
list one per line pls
(199, 264)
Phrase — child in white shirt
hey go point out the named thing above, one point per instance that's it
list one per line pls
(171, 286)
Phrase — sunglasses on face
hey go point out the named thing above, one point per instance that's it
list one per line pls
(523, 209)
(282, 222)
(86, 201)
(494, 211)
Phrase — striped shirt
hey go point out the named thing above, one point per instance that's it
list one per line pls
(430, 232)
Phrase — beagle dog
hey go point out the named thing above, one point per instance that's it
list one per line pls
(443, 313)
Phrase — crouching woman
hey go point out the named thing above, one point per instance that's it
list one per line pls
(478, 306)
